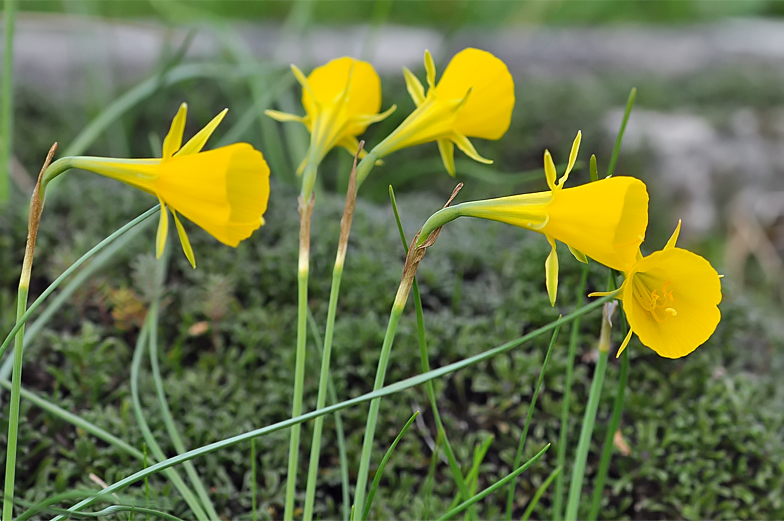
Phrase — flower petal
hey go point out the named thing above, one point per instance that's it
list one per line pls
(163, 230)
(447, 150)
(173, 140)
(580, 256)
(468, 149)
(283, 116)
(488, 111)
(624, 343)
(606, 219)
(674, 237)
(549, 170)
(430, 68)
(184, 241)
(414, 87)
(197, 142)
(551, 272)
(224, 191)
(572, 158)
(696, 292)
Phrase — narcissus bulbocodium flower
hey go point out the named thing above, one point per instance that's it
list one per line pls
(473, 98)
(604, 220)
(224, 191)
(671, 300)
(340, 99)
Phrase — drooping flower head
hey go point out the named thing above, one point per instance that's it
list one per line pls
(604, 220)
(224, 191)
(473, 98)
(671, 300)
(340, 99)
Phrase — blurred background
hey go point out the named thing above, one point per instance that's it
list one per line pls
(706, 135)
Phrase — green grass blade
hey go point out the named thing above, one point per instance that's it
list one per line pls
(495, 486)
(521, 445)
(149, 439)
(567, 396)
(380, 471)
(168, 418)
(146, 88)
(7, 101)
(76, 421)
(380, 393)
(617, 147)
(539, 492)
(84, 258)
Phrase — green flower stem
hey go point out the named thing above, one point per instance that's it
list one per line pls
(33, 221)
(388, 390)
(13, 422)
(589, 419)
(615, 421)
(567, 396)
(337, 274)
(366, 165)
(370, 427)
(457, 474)
(303, 266)
(6, 100)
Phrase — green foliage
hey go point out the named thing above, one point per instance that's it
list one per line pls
(692, 431)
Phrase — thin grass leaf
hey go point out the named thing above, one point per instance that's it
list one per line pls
(173, 476)
(6, 100)
(539, 492)
(617, 147)
(521, 445)
(492, 488)
(384, 460)
(380, 393)
(168, 418)
(84, 258)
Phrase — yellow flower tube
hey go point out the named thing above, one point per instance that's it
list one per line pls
(224, 191)
(671, 300)
(473, 98)
(604, 220)
(340, 99)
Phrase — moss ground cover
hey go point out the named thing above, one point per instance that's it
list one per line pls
(226, 363)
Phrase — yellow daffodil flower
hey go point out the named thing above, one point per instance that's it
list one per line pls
(224, 191)
(604, 220)
(671, 300)
(474, 98)
(340, 99)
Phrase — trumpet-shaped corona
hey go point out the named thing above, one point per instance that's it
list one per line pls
(604, 220)
(340, 99)
(474, 98)
(224, 191)
(671, 300)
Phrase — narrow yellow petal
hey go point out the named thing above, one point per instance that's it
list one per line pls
(624, 343)
(468, 149)
(173, 140)
(551, 272)
(197, 142)
(572, 158)
(163, 230)
(673, 237)
(430, 67)
(580, 256)
(184, 241)
(283, 116)
(549, 170)
(447, 150)
(414, 87)
(602, 293)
